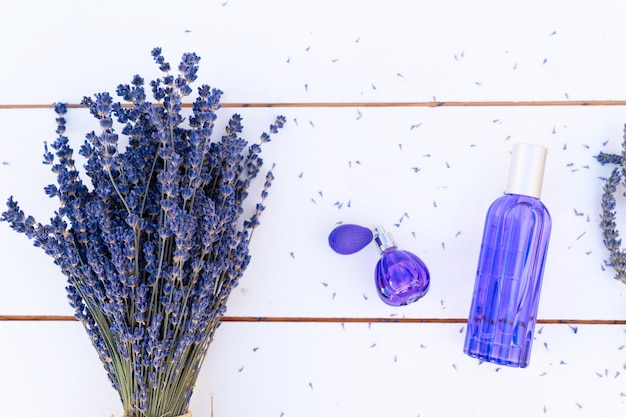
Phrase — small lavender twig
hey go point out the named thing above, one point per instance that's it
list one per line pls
(610, 234)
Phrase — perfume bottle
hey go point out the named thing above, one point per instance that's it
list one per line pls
(401, 277)
(510, 268)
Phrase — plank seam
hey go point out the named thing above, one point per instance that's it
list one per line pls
(287, 319)
(431, 104)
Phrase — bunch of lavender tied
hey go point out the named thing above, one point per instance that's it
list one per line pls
(152, 249)
(611, 237)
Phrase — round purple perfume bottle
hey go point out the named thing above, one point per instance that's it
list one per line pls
(401, 277)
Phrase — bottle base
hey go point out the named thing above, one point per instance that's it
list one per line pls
(512, 356)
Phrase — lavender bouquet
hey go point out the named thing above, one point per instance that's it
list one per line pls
(153, 247)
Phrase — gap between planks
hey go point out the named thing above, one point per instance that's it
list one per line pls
(554, 103)
(286, 319)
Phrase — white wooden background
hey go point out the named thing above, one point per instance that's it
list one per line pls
(324, 348)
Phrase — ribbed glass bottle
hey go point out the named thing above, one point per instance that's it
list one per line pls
(510, 269)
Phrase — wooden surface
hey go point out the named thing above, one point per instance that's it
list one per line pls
(400, 114)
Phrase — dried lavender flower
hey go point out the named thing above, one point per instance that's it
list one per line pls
(610, 234)
(152, 247)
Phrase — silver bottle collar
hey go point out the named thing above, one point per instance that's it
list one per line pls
(383, 239)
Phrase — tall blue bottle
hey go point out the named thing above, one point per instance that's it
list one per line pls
(510, 268)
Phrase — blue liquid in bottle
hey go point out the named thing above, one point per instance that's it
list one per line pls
(515, 240)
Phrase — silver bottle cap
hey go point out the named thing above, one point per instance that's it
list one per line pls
(526, 170)
(383, 239)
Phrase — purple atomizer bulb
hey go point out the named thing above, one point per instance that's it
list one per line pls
(510, 268)
(347, 239)
(401, 277)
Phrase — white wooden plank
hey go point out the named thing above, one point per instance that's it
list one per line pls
(440, 203)
(50, 368)
(346, 165)
(323, 50)
(275, 369)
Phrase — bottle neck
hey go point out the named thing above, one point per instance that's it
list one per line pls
(522, 195)
(383, 240)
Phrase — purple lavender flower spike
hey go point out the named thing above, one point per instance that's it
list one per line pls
(349, 238)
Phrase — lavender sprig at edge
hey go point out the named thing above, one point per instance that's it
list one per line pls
(153, 247)
(610, 234)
